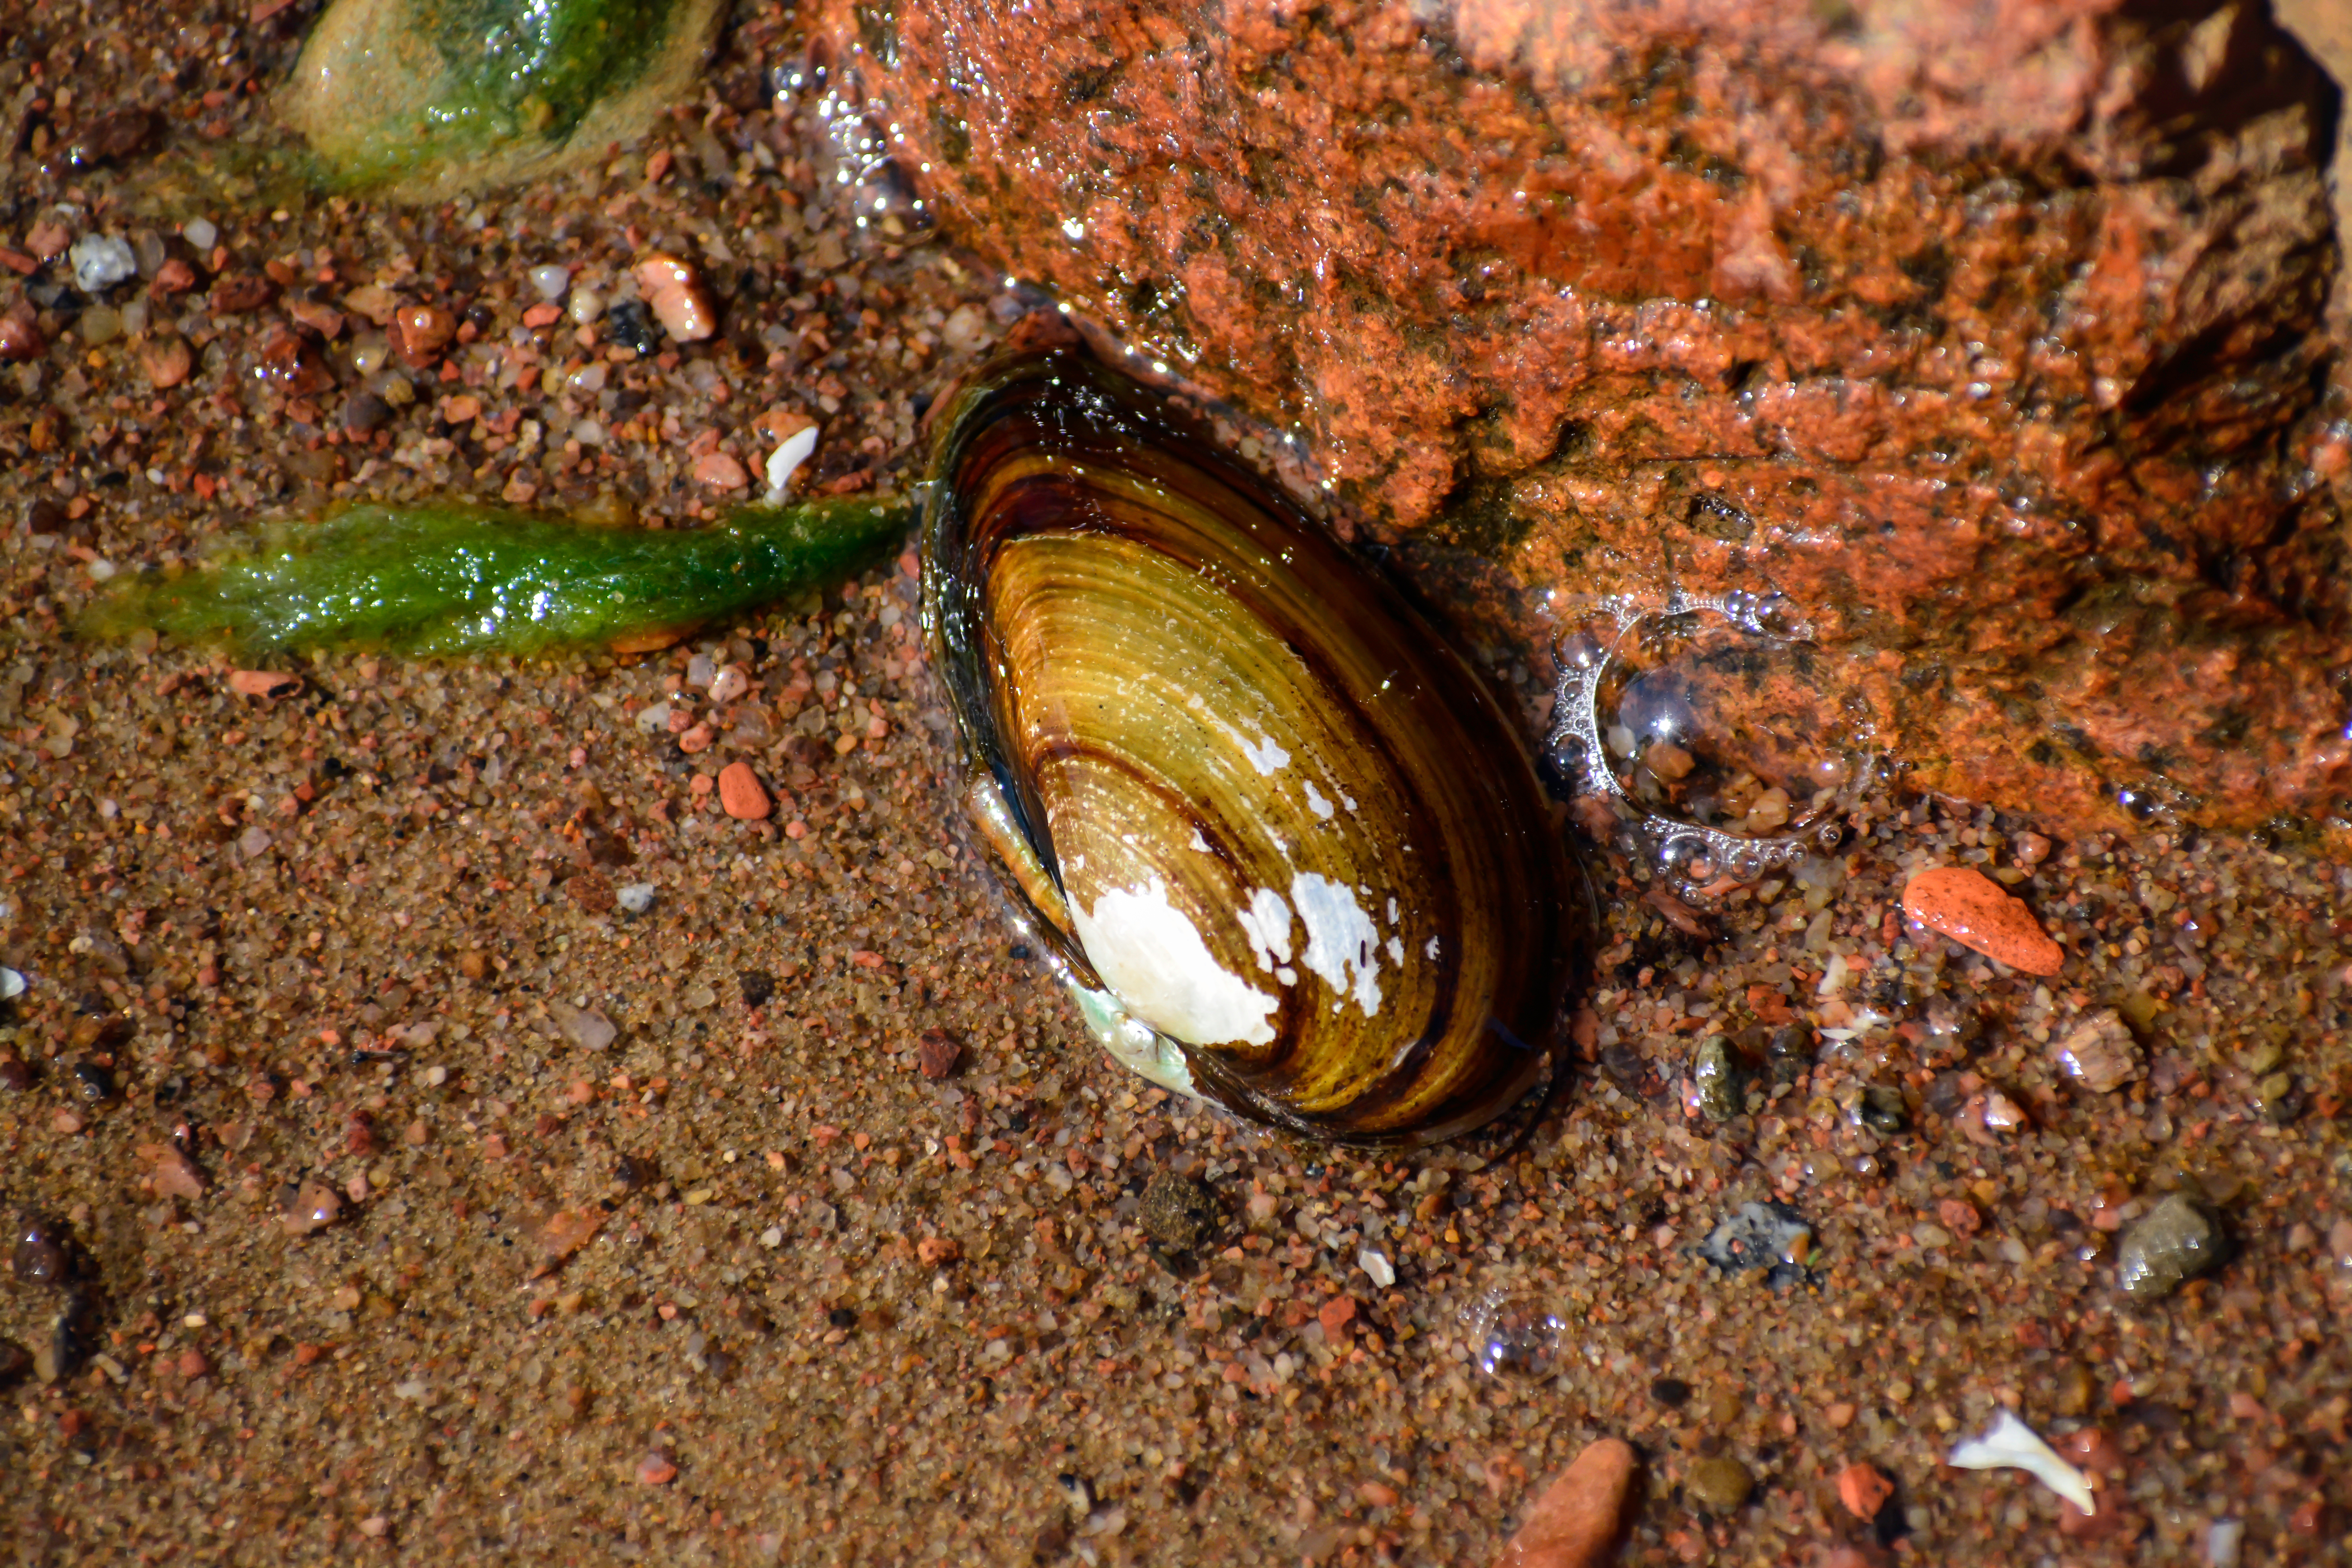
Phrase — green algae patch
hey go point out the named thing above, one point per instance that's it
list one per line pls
(452, 579)
(421, 98)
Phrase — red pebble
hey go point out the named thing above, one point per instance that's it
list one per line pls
(1576, 1523)
(1971, 908)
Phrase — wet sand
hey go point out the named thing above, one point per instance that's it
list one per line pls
(748, 1282)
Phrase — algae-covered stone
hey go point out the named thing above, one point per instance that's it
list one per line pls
(2173, 1242)
(431, 97)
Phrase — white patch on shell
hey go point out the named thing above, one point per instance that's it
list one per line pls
(1432, 948)
(1316, 802)
(1149, 954)
(1200, 843)
(1392, 911)
(1265, 756)
(1339, 938)
(1396, 952)
(1266, 923)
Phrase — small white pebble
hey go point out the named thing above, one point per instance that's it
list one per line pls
(586, 306)
(730, 683)
(772, 1237)
(200, 233)
(101, 261)
(700, 671)
(551, 280)
(1376, 1267)
(587, 378)
(637, 898)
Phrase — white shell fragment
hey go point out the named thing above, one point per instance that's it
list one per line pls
(12, 986)
(2010, 1445)
(785, 460)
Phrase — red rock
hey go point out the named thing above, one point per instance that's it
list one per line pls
(235, 295)
(262, 682)
(1971, 908)
(420, 332)
(1739, 296)
(1864, 1488)
(20, 335)
(1336, 1314)
(192, 1363)
(47, 240)
(174, 276)
(656, 1470)
(1576, 1520)
(740, 794)
(720, 471)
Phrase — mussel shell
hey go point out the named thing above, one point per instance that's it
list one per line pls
(1260, 800)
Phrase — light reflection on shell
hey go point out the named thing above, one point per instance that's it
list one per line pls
(1238, 781)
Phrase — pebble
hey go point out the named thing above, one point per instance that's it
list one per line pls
(1179, 1212)
(675, 292)
(587, 1027)
(1864, 1488)
(262, 682)
(1970, 907)
(19, 338)
(312, 1207)
(635, 897)
(656, 1470)
(550, 281)
(730, 683)
(720, 471)
(1575, 1522)
(201, 233)
(175, 1175)
(1719, 1485)
(100, 325)
(101, 261)
(166, 361)
(740, 794)
(2172, 1243)
(2101, 1054)
(797, 437)
(938, 1054)
(40, 1255)
(421, 331)
(117, 133)
(1716, 1080)
(1376, 1267)
(364, 413)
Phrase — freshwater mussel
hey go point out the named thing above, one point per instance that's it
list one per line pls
(1288, 849)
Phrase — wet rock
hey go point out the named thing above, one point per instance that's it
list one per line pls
(2172, 1243)
(364, 413)
(674, 291)
(1179, 1212)
(628, 324)
(1719, 1485)
(1576, 1520)
(15, 1362)
(758, 988)
(167, 360)
(1617, 283)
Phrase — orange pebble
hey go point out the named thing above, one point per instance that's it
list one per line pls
(1971, 908)
(1576, 1523)
(740, 794)
(1864, 1488)
(261, 682)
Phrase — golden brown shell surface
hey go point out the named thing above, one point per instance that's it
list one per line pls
(1273, 813)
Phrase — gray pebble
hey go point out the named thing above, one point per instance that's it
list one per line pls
(101, 261)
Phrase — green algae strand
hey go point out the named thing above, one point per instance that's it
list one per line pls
(451, 579)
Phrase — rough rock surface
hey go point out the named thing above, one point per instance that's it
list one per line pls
(1991, 334)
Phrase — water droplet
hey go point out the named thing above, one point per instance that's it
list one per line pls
(1517, 1334)
(1713, 726)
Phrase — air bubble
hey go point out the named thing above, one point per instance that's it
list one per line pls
(1711, 726)
(1516, 1334)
